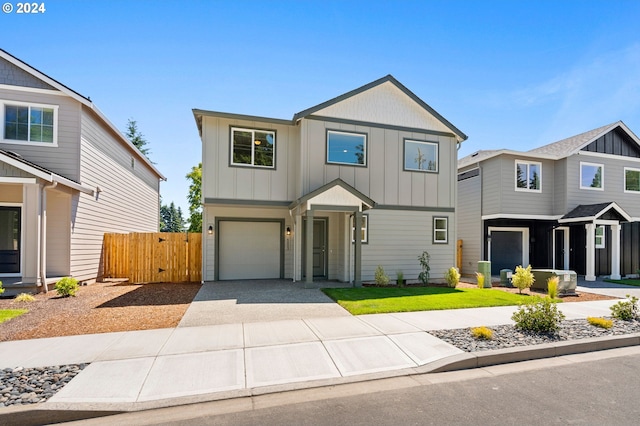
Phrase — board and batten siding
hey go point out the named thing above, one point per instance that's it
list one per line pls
(63, 159)
(613, 179)
(383, 179)
(222, 181)
(128, 200)
(469, 222)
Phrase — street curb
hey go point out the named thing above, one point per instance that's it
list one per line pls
(48, 412)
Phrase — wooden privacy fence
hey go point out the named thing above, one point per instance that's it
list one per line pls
(153, 257)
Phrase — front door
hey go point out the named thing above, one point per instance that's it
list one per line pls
(10, 240)
(319, 248)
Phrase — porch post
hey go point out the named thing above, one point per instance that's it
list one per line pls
(591, 252)
(357, 251)
(615, 251)
(309, 248)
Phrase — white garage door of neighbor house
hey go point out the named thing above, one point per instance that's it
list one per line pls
(249, 250)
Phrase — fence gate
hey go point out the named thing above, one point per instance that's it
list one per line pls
(153, 257)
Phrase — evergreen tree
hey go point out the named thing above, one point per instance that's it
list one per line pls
(137, 138)
(171, 219)
(195, 198)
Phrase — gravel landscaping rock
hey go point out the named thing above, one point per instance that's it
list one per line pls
(20, 386)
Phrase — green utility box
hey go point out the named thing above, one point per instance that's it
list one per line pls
(484, 267)
(566, 285)
(505, 277)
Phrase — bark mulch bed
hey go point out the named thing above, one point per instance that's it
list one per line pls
(99, 308)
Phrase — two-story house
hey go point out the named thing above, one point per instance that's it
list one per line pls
(67, 176)
(364, 179)
(573, 204)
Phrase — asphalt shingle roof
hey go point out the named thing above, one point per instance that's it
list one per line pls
(568, 146)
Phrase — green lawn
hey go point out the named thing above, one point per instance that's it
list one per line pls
(375, 300)
(626, 282)
(7, 314)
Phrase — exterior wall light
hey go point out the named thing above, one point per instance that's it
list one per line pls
(288, 230)
(210, 230)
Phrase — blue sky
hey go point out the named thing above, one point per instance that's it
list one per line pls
(514, 74)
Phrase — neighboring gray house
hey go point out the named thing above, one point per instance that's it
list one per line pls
(67, 176)
(377, 159)
(572, 204)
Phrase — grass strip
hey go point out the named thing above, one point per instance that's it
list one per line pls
(635, 283)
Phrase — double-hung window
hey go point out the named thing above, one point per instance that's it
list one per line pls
(254, 148)
(440, 230)
(346, 148)
(420, 156)
(591, 176)
(632, 180)
(528, 176)
(29, 123)
(364, 229)
(600, 239)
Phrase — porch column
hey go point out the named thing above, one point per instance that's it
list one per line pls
(309, 248)
(357, 251)
(615, 251)
(591, 252)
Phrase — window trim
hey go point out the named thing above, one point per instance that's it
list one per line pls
(404, 155)
(5, 102)
(252, 130)
(624, 183)
(365, 227)
(528, 163)
(603, 237)
(337, 163)
(446, 230)
(584, 163)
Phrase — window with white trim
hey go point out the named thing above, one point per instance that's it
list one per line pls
(528, 176)
(364, 229)
(420, 156)
(440, 230)
(254, 148)
(346, 148)
(591, 176)
(631, 180)
(24, 123)
(600, 239)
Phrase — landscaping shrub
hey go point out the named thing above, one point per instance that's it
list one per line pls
(480, 279)
(424, 264)
(67, 286)
(400, 278)
(24, 297)
(482, 333)
(1, 289)
(452, 276)
(552, 287)
(600, 322)
(523, 278)
(380, 277)
(626, 310)
(542, 316)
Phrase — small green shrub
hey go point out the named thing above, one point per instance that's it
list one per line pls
(24, 297)
(626, 310)
(400, 278)
(1, 289)
(523, 278)
(542, 316)
(480, 279)
(380, 277)
(552, 287)
(424, 264)
(482, 333)
(67, 286)
(600, 322)
(452, 276)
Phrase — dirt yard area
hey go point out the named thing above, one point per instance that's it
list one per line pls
(99, 308)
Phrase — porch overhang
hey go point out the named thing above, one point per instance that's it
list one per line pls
(333, 196)
(586, 213)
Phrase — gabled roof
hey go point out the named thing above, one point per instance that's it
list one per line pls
(591, 212)
(83, 100)
(368, 202)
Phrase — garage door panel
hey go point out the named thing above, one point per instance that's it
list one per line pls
(249, 250)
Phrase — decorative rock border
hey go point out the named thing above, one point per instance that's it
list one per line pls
(21, 386)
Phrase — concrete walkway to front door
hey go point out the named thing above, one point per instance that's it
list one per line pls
(234, 302)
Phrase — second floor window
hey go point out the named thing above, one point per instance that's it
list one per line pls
(420, 156)
(253, 147)
(346, 148)
(528, 176)
(591, 176)
(631, 180)
(29, 123)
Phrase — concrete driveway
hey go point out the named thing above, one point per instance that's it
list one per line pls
(232, 302)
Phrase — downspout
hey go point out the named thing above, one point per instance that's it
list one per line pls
(43, 232)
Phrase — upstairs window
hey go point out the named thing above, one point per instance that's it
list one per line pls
(528, 176)
(346, 148)
(631, 180)
(591, 176)
(254, 148)
(25, 123)
(420, 156)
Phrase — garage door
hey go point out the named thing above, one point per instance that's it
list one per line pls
(506, 250)
(249, 250)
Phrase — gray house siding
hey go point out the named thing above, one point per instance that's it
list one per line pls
(491, 171)
(14, 76)
(469, 222)
(560, 187)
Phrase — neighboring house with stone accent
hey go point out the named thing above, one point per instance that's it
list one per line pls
(67, 176)
(361, 180)
(573, 204)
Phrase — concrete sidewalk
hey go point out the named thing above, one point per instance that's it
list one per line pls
(155, 368)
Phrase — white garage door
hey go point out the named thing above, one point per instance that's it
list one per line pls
(249, 250)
